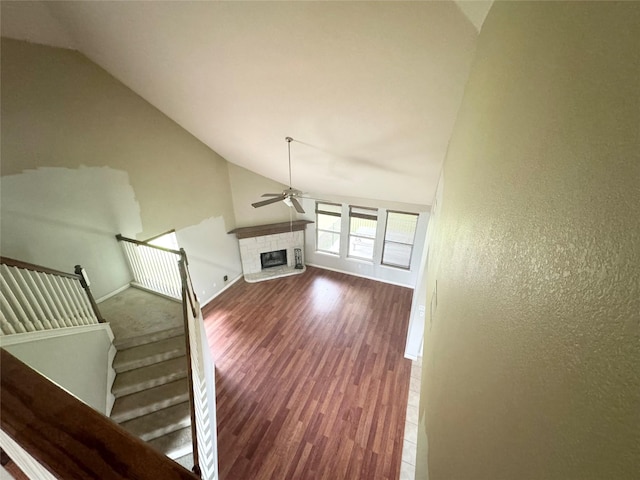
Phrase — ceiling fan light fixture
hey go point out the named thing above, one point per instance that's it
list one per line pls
(288, 202)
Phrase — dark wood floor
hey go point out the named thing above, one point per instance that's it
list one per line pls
(311, 378)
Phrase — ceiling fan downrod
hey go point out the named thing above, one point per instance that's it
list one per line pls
(289, 140)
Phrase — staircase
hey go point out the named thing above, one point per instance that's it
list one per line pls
(152, 391)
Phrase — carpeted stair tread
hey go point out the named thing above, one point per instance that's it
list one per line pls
(175, 444)
(160, 422)
(148, 401)
(149, 353)
(133, 381)
(186, 461)
(124, 343)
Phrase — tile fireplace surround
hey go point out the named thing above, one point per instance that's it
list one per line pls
(267, 238)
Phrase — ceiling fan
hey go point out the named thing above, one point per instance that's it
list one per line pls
(289, 196)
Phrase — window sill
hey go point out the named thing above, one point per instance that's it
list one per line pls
(328, 254)
(360, 260)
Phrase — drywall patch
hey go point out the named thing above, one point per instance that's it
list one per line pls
(59, 217)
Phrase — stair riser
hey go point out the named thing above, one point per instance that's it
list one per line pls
(130, 389)
(121, 368)
(147, 409)
(165, 430)
(148, 338)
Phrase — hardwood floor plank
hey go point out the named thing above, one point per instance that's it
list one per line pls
(311, 378)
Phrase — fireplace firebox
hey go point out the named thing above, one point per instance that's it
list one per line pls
(273, 259)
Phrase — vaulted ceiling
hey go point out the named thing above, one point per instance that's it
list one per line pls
(370, 90)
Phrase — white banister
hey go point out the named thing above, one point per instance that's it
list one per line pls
(30, 300)
(202, 381)
(5, 326)
(19, 314)
(153, 268)
(56, 317)
(35, 298)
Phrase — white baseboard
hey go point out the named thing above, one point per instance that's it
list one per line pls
(202, 304)
(153, 292)
(361, 276)
(18, 338)
(112, 294)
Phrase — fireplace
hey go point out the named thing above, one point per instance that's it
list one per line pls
(272, 251)
(273, 259)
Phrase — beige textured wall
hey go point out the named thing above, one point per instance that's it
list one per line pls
(59, 109)
(531, 366)
(247, 188)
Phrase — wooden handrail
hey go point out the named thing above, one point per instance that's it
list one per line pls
(186, 278)
(121, 238)
(69, 438)
(36, 268)
(151, 239)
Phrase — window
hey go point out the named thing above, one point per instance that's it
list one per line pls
(362, 232)
(399, 235)
(328, 219)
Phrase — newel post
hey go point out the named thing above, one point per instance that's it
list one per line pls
(83, 278)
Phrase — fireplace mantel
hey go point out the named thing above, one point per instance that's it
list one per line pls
(270, 229)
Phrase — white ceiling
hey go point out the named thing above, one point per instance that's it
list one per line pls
(369, 89)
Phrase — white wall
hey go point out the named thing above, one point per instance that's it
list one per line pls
(364, 268)
(77, 359)
(60, 217)
(212, 254)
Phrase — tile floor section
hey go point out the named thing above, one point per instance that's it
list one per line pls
(408, 466)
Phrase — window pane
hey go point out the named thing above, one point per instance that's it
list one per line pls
(397, 254)
(361, 247)
(328, 242)
(401, 227)
(363, 227)
(328, 227)
(328, 222)
(399, 236)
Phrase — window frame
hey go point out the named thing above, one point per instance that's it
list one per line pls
(385, 241)
(319, 230)
(365, 216)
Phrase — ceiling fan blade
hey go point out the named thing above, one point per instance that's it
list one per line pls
(279, 198)
(271, 194)
(296, 204)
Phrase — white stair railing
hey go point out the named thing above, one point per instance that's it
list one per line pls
(36, 298)
(202, 382)
(153, 268)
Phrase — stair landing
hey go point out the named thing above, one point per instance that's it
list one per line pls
(134, 312)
